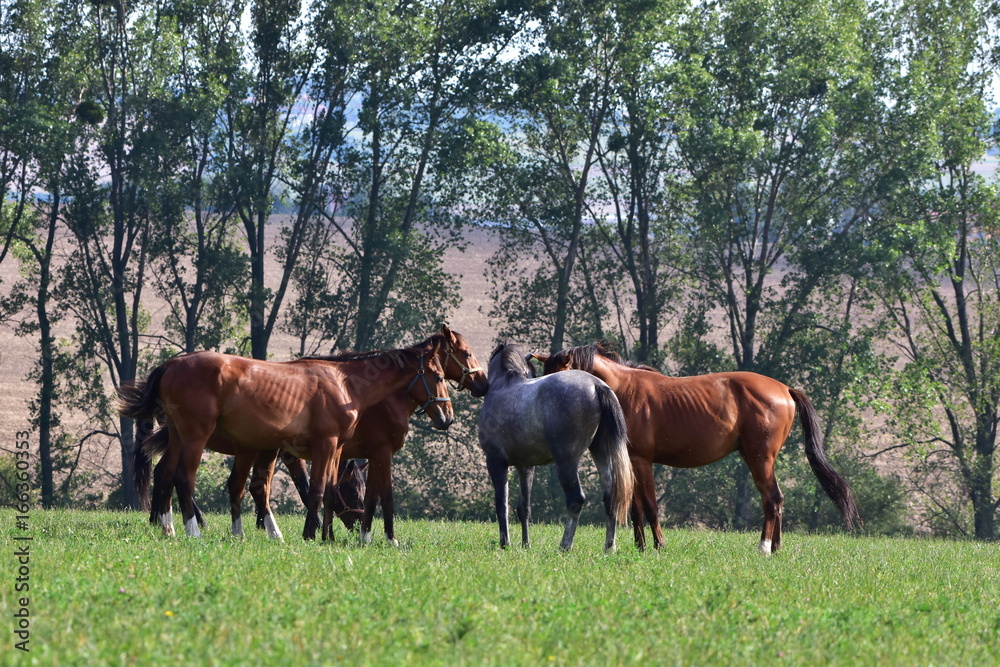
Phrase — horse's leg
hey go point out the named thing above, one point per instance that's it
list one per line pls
(527, 477)
(326, 456)
(184, 477)
(497, 466)
(237, 484)
(379, 488)
(603, 462)
(372, 492)
(160, 498)
(164, 475)
(258, 491)
(762, 470)
(569, 478)
(328, 495)
(644, 500)
(388, 502)
(263, 468)
(638, 525)
(297, 470)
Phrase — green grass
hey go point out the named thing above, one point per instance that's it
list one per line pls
(106, 588)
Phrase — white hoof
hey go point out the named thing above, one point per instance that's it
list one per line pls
(393, 542)
(272, 528)
(366, 538)
(167, 523)
(765, 547)
(191, 527)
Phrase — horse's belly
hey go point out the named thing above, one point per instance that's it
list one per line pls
(695, 450)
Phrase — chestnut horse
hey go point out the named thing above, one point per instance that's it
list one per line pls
(382, 431)
(308, 406)
(689, 422)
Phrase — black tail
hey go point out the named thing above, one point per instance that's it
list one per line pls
(142, 462)
(612, 435)
(138, 400)
(141, 399)
(836, 487)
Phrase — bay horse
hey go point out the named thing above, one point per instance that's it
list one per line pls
(688, 422)
(527, 421)
(308, 406)
(382, 431)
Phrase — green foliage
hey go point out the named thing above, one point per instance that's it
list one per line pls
(107, 584)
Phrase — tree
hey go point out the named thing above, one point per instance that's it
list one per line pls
(941, 263)
(642, 203)
(258, 114)
(776, 105)
(391, 197)
(118, 172)
(562, 96)
(198, 268)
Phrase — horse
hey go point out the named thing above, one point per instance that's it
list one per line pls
(347, 499)
(382, 430)
(527, 421)
(689, 422)
(308, 406)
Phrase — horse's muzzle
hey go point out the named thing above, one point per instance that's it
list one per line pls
(442, 421)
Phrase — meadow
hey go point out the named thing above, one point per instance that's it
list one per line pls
(107, 588)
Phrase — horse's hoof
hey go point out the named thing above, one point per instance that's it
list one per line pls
(272, 528)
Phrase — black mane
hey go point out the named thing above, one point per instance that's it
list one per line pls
(582, 357)
(399, 358)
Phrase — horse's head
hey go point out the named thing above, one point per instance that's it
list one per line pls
(560, 361)
(349, 500)
(511, 360)
(460, 364)
(430, 390)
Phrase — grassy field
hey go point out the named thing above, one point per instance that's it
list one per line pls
(106, 588)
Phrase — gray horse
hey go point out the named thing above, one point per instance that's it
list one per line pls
(527, 422)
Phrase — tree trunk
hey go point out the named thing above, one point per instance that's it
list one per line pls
(46, 390)
(983, 505)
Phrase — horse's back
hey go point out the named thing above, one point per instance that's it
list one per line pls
(696, 420)
(254, 403)
(528, 417)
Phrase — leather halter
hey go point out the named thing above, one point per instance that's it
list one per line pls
(466, 371)
(431, 398)
(347, 509)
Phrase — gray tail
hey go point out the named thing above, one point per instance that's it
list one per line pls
(836, 487)
(613, 437)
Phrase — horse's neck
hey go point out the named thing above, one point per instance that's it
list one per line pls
(615, 376)
(368, 388)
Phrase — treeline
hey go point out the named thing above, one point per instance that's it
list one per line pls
(782, 186)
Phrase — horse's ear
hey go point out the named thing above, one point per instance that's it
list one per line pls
(446, 332)
(541, 358)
